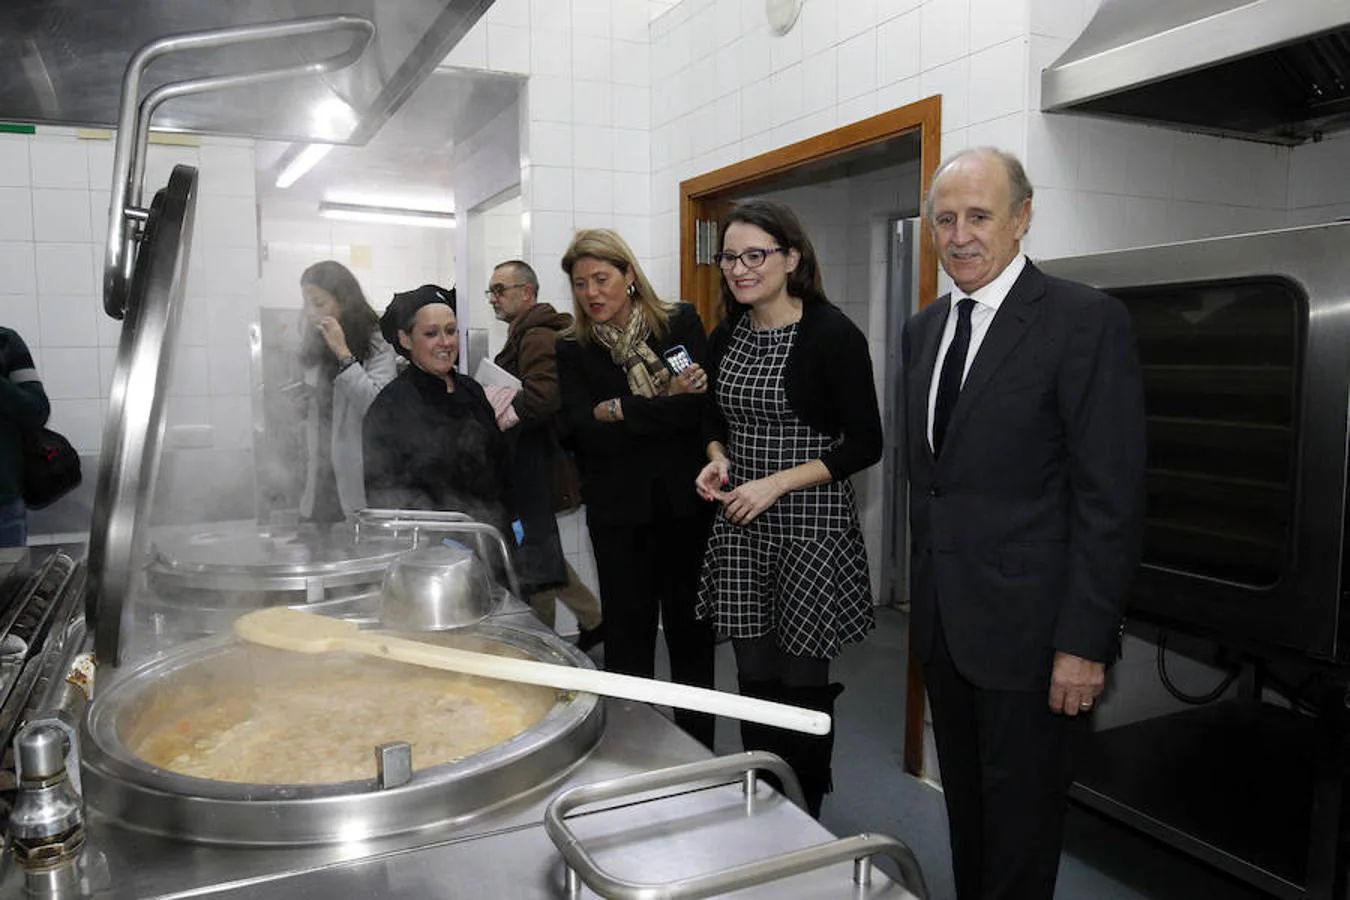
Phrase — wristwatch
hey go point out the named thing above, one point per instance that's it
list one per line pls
(346, 363)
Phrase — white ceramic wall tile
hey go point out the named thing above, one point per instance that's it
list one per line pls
(591, 57)
(508, 49)
(550, 98)
(785, 50)
(14, 165)
(17, 222)
(81, 421)
(227, 171)
(996, 86)
(59, 163)
(898, 54)
(820, 80)
(1043, 52)
(191, 375)
(944, 32)
(889, 9)
(1058, 18)
(20, 312)
(160, 160)
(19, 268)
(702, 82)
(593, 191)
(632, 194)
(232, 421)
(855, 110)
(550, 54)
(632, 151)
(592, 17)
(952, 81)
(858, 66)
(819, 24)
(1101, 221)
(1054, 225)
(101, 165)
(702, 130)
(1053, 143)
(705, 36)
(728, 13)
(550, 144)
(728, 120)
(1007, 133)
(1103, 155)
(107, 366)
(194, 329)
(756, 109)
(228, 369)
(592, 103)
(228, 270)
(727, 68)
(996, 21)
(554, 15)
(900, 93)
(65, 268)
(550, 188)
(550, 233)
(70, 373)
(785, 102)
(67, 320)
(859, 17)
(1319, 173)
(632, 107)
(226, 221)
(1149, 220)
(593, 147)
(509, 12)
(803, 128)
(756, 56)
(1149, 166)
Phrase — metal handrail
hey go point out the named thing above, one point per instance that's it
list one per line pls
(133, 120)
(582, 868)
(441, 522)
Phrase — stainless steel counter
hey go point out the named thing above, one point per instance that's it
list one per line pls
(504, 852)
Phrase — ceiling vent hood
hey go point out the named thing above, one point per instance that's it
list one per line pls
(1265, 70)
(61, 63)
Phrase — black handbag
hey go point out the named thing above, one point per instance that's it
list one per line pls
(51, 468)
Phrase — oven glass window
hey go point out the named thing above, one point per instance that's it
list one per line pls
(1220, 367)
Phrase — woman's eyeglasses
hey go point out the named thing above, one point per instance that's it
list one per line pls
(753, 258)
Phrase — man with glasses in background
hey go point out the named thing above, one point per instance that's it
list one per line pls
(543, 479)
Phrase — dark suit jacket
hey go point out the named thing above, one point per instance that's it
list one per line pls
(1026, 531)
(656, 450)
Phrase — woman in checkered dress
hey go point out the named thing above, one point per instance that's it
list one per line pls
(794, 415)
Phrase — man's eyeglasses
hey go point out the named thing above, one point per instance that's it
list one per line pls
(753, 258)
(497, 290)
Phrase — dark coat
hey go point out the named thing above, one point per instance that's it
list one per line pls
(1026, 531)
(427, 448)
(656, 450)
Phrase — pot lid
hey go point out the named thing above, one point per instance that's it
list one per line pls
(134, 431)
(253, 551)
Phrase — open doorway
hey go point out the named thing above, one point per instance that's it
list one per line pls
(857, 191)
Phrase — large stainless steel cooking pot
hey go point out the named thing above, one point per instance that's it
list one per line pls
(119, 784)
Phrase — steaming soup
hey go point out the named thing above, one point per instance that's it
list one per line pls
(319, 723)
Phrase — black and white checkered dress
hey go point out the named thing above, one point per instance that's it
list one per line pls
(800, 568)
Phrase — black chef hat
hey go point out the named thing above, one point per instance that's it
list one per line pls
(402, 310)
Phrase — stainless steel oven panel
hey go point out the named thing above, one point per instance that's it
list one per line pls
(1302, 612)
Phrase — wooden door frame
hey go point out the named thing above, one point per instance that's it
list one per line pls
(925, 116)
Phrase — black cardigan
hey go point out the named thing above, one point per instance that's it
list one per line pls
(656, 450)
(829, 385)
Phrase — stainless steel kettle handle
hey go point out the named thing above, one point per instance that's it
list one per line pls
(439, 522)
(134, 113)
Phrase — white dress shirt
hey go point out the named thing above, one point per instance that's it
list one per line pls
(987, 301)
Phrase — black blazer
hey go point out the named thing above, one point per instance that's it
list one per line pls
(1026, 532)
(828, 379)
(655, 450)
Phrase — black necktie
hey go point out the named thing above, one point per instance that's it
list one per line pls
(949, 379)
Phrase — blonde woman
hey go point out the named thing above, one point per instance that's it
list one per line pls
(635, 423)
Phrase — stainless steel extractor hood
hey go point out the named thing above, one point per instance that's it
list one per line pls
(61, 62)
(1267, 70)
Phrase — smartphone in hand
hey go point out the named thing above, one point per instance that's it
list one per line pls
(678, 358)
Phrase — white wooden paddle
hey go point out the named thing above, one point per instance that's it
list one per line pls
(303, 632)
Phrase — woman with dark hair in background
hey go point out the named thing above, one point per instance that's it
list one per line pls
(346, 363)
(793, 415)
(635, 426)
(23, 408)
(431, 437)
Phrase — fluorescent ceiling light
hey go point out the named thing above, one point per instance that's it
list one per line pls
(387, 215)
(301, 163)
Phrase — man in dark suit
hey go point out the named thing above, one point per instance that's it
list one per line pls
(1025, 448)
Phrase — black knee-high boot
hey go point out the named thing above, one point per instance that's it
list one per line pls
(810, 754)
(755, 736)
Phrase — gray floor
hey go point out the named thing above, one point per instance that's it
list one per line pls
(1102, 860)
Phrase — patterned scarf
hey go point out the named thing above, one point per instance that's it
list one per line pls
(647, 372)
